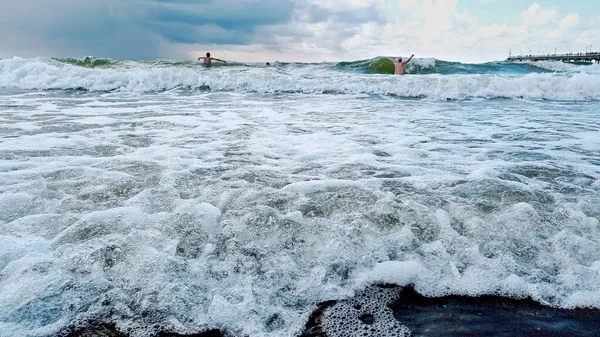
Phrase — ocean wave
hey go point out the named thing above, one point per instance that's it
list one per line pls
(192, 210)
(90, 62)
(385, 65)
(566, 67)
(425, 66)
(158, 76)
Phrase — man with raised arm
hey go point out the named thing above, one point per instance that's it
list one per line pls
(207, 59)
(399, 65)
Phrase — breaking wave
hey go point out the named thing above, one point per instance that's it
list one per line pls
(428, 78)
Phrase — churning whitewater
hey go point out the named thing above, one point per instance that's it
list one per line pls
(437, 80)
(238, 197)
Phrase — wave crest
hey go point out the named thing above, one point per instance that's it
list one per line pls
(385, 65)
(109, 75)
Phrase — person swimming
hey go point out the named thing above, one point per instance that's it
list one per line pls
(208, 59)
(399, 65)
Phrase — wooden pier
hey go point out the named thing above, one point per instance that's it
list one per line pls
(570, 57)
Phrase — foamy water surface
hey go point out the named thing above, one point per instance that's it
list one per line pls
(242, 209)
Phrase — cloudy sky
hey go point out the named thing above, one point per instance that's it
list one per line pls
(296, 30)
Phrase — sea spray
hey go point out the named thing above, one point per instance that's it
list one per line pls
(426, 78)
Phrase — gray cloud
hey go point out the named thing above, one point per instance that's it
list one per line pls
(345, 15)
(144, 29)
(79, 28)
(220, 22)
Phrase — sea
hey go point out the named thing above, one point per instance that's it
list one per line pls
(168, 195)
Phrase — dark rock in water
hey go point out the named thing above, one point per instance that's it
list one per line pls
(209, 333)
(491, 316)
(388, 310)
(110, 330)
(96, 329)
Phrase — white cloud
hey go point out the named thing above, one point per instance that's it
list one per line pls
(316, 30)
(439, 29)
(535, 15)
(569, 21)
(346, 4)
(428, 28)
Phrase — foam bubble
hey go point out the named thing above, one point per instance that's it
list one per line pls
(367, 314)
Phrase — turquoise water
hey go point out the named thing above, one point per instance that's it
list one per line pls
(426, 78)
(378, 65)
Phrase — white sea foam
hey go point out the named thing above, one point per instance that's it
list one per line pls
(428, 62)
(48, 74)
(242, 211)
(568, 67)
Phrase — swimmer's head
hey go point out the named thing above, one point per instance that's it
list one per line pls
(207, 54)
